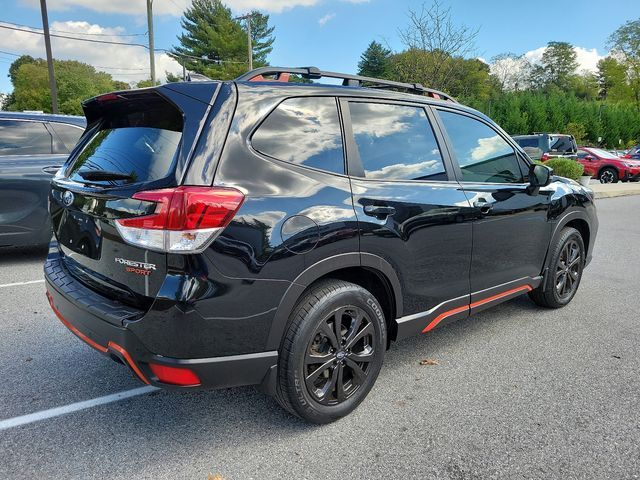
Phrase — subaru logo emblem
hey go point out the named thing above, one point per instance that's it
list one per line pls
(67, 198)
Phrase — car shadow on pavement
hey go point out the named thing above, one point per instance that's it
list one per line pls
(17, 256)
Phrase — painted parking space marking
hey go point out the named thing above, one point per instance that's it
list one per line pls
(17, 284)
(73, 407)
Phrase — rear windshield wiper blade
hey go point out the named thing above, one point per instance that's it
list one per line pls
(105, 175)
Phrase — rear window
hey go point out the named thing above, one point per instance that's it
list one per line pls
(305, 131)
(527, 142)
(562, 143)
(137, 140)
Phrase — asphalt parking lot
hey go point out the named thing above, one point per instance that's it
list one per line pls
(519, 392)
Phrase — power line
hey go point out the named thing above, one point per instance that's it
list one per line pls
(83, 33)
(9, 53)
(91, 40)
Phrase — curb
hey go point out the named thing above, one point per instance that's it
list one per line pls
(616, 193)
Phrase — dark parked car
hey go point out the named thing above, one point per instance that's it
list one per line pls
(543, 146)
(255, 231)
(32, 148)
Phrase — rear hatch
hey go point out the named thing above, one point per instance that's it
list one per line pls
(135, 141)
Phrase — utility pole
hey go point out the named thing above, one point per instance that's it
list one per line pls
(247, 17)
(152, 58)
(249, 42)
(47, 45)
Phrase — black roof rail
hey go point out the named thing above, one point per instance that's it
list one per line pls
(312, 73)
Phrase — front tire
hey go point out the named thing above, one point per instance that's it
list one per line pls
(565, 271)
(332, 352)
(608, 175)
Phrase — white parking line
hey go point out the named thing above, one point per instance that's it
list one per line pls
(17, 284)
(73, 407)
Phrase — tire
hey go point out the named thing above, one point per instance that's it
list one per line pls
(313, 362)
(608, 175)
(565, 271)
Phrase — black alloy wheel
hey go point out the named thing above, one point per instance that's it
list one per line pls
(332, 351)
(568, 270)
(339, 355)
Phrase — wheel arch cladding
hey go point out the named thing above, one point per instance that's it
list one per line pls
(574, 219)
(368, 271)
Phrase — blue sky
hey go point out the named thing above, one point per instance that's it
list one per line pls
(330, 34)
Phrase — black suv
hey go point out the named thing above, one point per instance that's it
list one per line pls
(214, 234)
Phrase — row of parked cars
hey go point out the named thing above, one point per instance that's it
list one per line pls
(608, 166)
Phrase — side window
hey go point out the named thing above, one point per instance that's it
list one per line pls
(582, 153)
(24, 138)
(483, 155)
(396, 142)
(67, 134)
(304, 131)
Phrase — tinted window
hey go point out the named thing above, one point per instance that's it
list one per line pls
(582, 154)
(23, 138)
(137, 138)
(67, 134)
(483, 155)
(527, 142)
(562, 143)
(396, 142)
(145, 153)
(305, 131)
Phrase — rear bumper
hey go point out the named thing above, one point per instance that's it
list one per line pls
(83, 312)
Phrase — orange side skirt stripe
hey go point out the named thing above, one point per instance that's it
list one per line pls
(451, 312)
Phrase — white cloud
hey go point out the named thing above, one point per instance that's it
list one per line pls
(275, 6)
(323, 20)
(125, 7)
(125, 63)
(587, 58)
(489, 147)
(356, 1)
(171, 7)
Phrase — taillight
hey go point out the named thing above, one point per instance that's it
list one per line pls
(544, 157)
(185, 220)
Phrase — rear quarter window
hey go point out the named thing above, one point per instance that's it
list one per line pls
(305, 131)
(68, 134)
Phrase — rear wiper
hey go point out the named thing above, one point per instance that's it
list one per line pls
(105, 175)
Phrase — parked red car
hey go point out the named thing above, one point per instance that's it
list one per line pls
(607, 167)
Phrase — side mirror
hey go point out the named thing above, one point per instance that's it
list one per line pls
(590, 158)
(539, 175)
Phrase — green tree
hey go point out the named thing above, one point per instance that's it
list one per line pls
(557, 65)
(625, 43)
(578, 131)
(612, 81)
(171, 78)
(76, 82)
(374, 61)
(215, 44)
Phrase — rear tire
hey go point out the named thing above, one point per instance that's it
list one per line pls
(332, 352)
(565, 271)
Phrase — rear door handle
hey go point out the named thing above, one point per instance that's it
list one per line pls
(484, 206)
(379, 211)
(51, 169)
